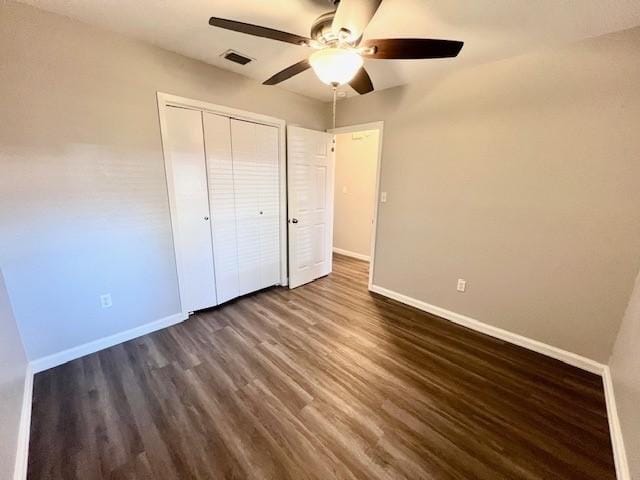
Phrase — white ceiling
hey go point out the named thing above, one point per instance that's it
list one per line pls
(491, 29)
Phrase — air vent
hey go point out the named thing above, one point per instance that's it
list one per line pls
(236, 57)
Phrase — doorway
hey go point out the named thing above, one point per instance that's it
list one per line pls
(358, 150)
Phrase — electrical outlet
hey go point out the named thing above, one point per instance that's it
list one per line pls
(383, 197)
(105, 300)
(462, 285)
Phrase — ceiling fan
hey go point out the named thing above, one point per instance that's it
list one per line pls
(340, 50)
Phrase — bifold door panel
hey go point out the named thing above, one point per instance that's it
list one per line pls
(257, 194)
(267, 152)
(217, 134)
(247, 183)
(192, 237)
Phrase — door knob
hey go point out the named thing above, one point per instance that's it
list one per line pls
(294, 220)
(206, 218)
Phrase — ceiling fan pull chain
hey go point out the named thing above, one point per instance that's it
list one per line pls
(335, 93)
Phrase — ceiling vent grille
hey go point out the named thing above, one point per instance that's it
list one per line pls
(236, 57)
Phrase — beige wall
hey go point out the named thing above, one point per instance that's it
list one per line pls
(13, 367)
(520, 176)
(625, 372)
(356, 161)
(84, 207)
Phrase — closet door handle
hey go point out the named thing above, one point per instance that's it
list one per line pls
(294, 220)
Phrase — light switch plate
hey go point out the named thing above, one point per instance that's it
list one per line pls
(383, 197)
(105, 300)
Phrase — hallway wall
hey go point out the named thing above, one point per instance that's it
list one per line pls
(355, 181)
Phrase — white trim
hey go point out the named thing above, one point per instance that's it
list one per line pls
(535, 345)
(348, 253)
(617, 441)
(284, 233)
(168, 166)
(65, 356)
(165, 100)
(22, 451)
(361, 127)
(374, 228)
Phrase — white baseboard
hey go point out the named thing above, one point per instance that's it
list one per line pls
(348, 253)
(50, 361)
(617, 441)
(22, 451)
(619, 452)
(535, 345)
(65, 356)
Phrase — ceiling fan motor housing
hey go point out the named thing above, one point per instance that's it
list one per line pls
(322, 31)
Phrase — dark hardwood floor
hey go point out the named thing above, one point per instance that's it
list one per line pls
(325, 381)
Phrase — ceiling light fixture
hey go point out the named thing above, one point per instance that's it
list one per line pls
(336, 66)
(338, 38)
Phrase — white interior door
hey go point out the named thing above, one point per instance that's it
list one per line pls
(310, 184)
(217, 136)
(186, 173)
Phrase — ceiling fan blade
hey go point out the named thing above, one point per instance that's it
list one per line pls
(288, 72)
(353, 16)
(361, 83)
(258, 31)
(411, 48)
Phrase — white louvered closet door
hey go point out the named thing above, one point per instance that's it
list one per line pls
(246, 182)
(256, 184)
(217, 135)
(267, 153)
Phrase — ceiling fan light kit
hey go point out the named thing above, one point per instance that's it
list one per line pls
(336, 66)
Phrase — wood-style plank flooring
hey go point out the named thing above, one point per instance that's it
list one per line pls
(325, 381)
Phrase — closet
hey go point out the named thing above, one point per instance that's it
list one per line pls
(223, 176)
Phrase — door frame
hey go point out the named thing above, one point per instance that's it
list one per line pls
(169, 100)
(374, 228)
